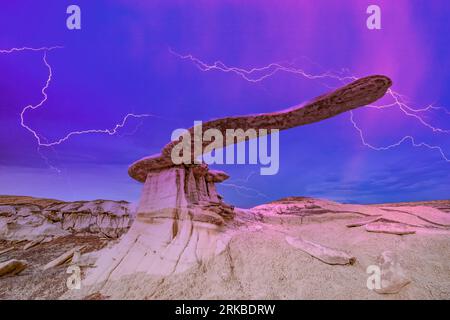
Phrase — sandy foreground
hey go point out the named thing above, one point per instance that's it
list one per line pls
(259, 259)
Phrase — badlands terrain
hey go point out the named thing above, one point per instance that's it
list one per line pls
(294, 248)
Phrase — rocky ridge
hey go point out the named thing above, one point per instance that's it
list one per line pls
(27, 218)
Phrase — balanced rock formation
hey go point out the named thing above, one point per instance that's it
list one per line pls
(180, 221)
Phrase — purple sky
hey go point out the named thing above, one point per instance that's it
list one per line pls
(120, 62)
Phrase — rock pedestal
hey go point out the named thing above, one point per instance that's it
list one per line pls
(178, 224)
(166, 192)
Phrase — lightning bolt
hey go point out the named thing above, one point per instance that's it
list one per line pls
(42, 141)
(239, 188)
(30, 49)
(259, 74)
(397, 144)
(251, 192)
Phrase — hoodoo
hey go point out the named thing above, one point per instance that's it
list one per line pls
(180, 217)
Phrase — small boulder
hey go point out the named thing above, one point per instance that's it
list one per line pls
(393, 278)
(362, 222)
(324, 254)
(63, 258)
(12, 267)
(390, 228)
(6, 250)
(33, 243)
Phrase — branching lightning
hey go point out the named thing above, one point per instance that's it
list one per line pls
(30, 49)
(397, 144)
(253, 75)
(237, 185)
(42, 141)
(259, 74)
(251, 192)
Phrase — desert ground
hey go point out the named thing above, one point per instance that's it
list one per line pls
(294, 248)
